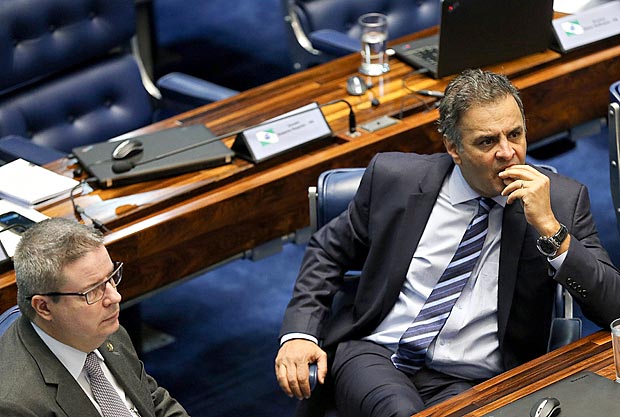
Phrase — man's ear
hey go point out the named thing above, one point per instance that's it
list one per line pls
(41, 306)
(452, 150)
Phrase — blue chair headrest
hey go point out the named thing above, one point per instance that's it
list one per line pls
(42, 37)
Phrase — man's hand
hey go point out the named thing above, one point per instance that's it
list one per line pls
(532, 188)
(292, 363)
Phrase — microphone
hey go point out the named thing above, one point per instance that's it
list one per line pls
(122, 166)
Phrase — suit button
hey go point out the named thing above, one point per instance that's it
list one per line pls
(584, 293)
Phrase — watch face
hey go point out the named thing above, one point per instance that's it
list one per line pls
(546, 247)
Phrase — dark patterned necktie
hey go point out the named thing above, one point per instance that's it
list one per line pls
(414, 343)
(105, 394)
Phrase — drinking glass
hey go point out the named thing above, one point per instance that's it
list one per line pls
(374, 33)
(615, 342)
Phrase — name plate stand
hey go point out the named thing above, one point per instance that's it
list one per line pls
(283, 133)
(588, 26)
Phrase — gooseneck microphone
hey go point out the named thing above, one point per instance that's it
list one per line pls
(122, 166)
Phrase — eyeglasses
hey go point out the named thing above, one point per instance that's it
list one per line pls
(95, 293)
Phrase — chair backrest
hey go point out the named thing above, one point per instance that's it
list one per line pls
(68, 77)
(8, 317)
(614, 147)
(334, 191)
(307, 16)
(337, 187)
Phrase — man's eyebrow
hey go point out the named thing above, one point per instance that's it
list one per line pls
(99, 281)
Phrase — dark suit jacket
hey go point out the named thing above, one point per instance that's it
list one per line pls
(379, 234)
(33, 382)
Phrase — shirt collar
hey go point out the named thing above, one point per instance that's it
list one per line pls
(72, 359)
(460, 191)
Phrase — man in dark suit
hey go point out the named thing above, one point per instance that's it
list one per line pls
(402, 230)
(67, 355)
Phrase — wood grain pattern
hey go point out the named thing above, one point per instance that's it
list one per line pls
(592, 353)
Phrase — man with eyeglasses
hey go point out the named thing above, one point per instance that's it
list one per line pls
(67, 355)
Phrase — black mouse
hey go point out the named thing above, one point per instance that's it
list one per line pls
(127, 148)
(546, 407)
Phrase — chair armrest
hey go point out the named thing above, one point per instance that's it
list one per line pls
(563, 332)
(13, 147)
(187, 89)
(334, 43)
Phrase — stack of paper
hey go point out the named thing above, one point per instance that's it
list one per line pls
(29, 184)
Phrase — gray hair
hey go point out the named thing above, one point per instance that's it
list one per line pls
(43, 252)
(471, 88)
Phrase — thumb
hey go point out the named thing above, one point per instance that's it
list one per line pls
(322, 368)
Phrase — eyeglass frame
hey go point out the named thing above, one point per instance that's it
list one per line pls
(118, 271)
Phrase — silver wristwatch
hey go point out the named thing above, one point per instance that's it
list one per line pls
(549, 245)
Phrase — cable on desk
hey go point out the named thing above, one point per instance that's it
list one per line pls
(79, 211)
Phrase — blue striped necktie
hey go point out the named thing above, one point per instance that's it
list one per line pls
(414, 343)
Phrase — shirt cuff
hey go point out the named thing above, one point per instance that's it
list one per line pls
(557, 262)
(290, 336)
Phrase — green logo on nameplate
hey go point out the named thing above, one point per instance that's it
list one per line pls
(267, 137)
(572, 28)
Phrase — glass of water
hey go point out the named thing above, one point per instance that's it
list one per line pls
(615, 342)
(374, 33)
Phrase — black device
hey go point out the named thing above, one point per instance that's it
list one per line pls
(477, 33)
(16, 221)
(582, 394)
(153, 155)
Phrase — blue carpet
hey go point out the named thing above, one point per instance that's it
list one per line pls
(226, 321)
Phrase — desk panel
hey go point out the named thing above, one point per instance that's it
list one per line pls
(593, 353)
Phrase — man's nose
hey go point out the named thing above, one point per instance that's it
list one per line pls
(505, 150)
(111, 296)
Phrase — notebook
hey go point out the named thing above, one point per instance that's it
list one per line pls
(477, 33)
(203, 151)
(580, 395)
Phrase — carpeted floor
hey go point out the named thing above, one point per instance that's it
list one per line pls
(225, 322)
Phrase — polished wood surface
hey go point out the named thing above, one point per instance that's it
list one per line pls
(592, 353)
(166, 230)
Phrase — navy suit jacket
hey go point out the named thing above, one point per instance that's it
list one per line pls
(379, 233)
(35, 383)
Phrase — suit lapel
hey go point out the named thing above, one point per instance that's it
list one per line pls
(416, 215)
(116, 361)
(69, 395)
(513, 233)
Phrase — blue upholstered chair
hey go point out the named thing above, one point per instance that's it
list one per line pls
(320, 30)
(614, 146)
(334, 191)
(8, 317)
(70, 77)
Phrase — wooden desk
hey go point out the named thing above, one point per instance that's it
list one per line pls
(593, 353)
(170, 229)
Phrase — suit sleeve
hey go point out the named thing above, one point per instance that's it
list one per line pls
(587, 271)
(338, 247)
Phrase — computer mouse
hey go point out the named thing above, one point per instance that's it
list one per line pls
(127, 148)
(546, 407)
(356, 85)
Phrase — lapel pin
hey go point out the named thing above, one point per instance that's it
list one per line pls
(110, 347)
